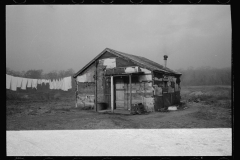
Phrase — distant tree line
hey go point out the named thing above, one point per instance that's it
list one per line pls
(205, 76)
(38, 74)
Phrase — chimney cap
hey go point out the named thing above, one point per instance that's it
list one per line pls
(165, 57)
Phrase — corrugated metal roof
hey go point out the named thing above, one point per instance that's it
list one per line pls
(141, 61)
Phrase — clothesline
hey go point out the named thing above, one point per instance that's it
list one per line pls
(13, 83)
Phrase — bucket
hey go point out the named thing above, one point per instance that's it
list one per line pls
(101, 106)
(172, 108)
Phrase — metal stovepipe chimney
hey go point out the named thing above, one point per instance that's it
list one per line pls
(165, 60)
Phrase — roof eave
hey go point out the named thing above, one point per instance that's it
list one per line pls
(88, 64)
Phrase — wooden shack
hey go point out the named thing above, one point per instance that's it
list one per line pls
(118, 80)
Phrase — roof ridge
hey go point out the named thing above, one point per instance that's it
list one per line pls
(155, 63)
(139, 60)
(153, 66)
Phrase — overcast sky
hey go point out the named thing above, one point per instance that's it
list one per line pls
(59, 37)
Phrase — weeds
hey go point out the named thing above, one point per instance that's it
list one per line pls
(65, 109)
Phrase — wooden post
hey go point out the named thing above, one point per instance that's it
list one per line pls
(130, 85)
(153, 77)
(76, 92)
(96, 85)
(144, 95)
(112, 94)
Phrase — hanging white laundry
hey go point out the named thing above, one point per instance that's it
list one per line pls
(63, 84)
(44, 81)
(14, 83)
(39, 81)
(60, 83)
(54, 84)
(67, 83)
(57, 84)
(34, 83)
(8, 81)
(82, 78)
(53, 87)
(50, 85)
(29, 82)
(24, 83)
(19, 81)
(47, 81)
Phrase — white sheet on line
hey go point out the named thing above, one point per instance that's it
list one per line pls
(14, 83)
(8, 81)
(24, 83)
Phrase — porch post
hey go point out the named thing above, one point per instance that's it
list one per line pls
(95, 85)
(130, 87)
(112, 94)
(76, 91)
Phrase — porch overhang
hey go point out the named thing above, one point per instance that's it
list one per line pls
(120, 72)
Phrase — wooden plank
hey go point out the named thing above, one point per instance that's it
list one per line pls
(119, 95)
(95, 85)
(126, 98)
(130, 83)
(120, 104)
(120, 62)
(76, 91)
(112, 94)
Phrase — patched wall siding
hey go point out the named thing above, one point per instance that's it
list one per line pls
(170, 92)
(86, 90)
(141, 92)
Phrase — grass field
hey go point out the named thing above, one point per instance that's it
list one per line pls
(202, 107)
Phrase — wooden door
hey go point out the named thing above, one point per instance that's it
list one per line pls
(119, 88)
